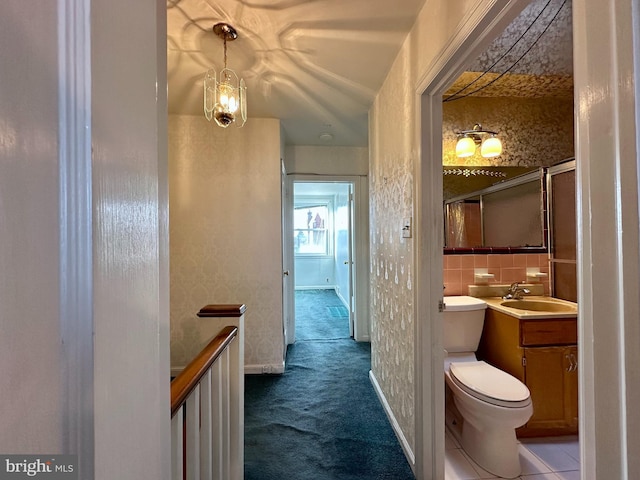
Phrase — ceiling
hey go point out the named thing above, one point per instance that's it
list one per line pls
(314, 64)
(317, 64)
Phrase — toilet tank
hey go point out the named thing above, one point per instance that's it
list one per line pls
(463, 322)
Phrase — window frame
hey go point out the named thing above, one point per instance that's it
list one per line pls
(311, 202)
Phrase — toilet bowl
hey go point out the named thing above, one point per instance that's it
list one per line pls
(491, 403)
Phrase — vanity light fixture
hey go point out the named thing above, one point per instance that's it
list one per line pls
(225, 95)
(468, 140)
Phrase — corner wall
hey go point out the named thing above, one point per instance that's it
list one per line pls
(225, 233)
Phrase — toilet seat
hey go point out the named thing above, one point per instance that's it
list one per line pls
(490, 384)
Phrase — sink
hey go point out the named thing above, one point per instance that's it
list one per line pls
(538, 306)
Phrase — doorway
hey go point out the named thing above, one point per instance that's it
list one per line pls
(469, 42)
(541, 30)
(322, 248)
(325, 247)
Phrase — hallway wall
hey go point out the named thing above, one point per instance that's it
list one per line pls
(394, 146)
(225, 234)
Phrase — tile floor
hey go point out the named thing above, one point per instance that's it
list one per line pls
(550, 458)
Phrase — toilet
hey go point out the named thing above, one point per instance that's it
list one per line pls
(487, 403)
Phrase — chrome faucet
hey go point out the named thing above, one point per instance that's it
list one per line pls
(516, 292)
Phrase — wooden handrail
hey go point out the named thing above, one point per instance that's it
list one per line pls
(231, 310)
(186, 381)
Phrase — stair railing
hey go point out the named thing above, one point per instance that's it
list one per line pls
(207, 402)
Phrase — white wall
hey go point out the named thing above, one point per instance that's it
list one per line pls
(83, 244)
(226, 237)
(314, 272)
(30, 354)
(327, 160)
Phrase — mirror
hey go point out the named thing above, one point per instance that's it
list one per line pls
(507, 216)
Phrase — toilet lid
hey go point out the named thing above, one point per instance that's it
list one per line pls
(462, 303)
(490, 384)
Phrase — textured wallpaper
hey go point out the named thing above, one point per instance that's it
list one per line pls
(539, 52)
(533, 131)
(225, 234)
(391, 296)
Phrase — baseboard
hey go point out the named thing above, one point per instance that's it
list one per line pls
(175, 371)
(408, 452)
(343, 300)
(265, 369)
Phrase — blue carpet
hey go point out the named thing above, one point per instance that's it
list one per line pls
(321, 419)
(316, 315)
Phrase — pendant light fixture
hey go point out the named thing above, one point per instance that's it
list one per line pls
(225, 95)
(468, 140)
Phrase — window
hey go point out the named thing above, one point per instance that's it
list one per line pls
(311, 232)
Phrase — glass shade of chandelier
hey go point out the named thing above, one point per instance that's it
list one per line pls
(468, 140)
(225, 99)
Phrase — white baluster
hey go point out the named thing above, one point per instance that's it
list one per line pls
(236, 377)
(176, 444)
(193, 434)
(216, 415)
(206, 426)
(226, 414)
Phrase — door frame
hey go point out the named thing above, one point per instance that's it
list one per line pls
(360, 256)
(484, 23)
(607, 134)
(288, 283)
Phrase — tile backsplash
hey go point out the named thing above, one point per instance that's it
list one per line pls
(459, 270)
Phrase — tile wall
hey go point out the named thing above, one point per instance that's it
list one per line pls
(507, 268)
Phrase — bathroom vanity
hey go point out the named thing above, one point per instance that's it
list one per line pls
(539, 348)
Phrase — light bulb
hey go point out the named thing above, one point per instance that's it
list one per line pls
(465, 147)
(233, 104)
(491, 147)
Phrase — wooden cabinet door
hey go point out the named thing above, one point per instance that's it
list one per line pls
(571, 386)
(551, 375)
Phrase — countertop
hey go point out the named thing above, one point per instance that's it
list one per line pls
(494, 303)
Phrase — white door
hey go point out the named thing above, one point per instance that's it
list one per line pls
(287, 261)
(344, 248)
(352, 249)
